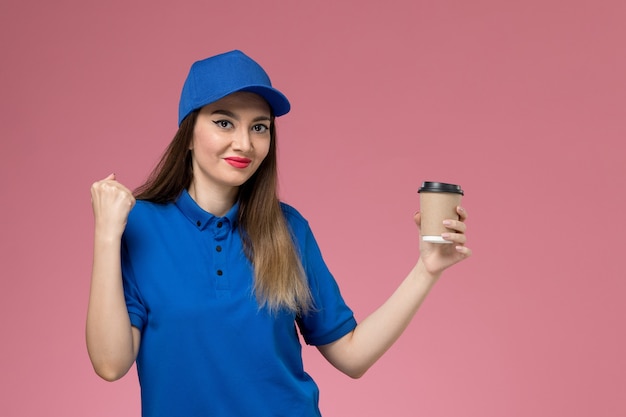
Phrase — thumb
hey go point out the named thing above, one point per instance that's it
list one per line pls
(417, 217)
(110, 176)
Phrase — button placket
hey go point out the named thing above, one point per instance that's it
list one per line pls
(221, 231)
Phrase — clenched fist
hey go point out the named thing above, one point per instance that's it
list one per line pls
(111, 202)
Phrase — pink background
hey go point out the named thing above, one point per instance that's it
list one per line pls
(521, 102)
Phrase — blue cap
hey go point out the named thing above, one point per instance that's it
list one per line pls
(218, 76)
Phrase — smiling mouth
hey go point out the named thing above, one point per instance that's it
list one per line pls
(238, 162)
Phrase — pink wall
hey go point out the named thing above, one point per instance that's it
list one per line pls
(521, 102)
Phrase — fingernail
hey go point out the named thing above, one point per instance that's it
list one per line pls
(447, 223)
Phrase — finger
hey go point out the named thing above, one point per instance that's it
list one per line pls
(458, 238)
(462, 213)
(417, 217)
(110, 177)
(455, 225)
(464, 250)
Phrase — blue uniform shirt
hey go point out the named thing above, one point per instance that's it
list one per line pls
(206, 347)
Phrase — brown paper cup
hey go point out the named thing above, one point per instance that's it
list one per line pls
(438, 202)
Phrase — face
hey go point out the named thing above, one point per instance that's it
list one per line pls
(230, 140)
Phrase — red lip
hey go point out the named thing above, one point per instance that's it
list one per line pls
(238, 162)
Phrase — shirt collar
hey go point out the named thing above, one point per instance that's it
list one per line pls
(203, 219)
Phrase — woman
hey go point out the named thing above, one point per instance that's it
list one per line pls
(205, 277)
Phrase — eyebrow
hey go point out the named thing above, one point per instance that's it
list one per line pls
(232, 115)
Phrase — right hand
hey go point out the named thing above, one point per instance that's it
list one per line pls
(111, 202)
(437, 257)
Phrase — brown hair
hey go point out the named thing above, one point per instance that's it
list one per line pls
(279, 279)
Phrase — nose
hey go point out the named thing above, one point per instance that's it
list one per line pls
(242, 141)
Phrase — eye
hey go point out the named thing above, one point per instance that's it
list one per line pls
(260, 128)
(224, 124)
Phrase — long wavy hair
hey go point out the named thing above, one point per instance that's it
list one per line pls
(279, 279)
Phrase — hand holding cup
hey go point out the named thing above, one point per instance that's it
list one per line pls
(442, 224)
(438, 202)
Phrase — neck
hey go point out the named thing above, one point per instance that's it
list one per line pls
(213, 201)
